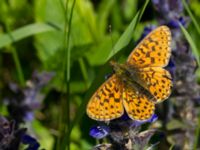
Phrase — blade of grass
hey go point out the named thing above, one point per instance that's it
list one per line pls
(126, 36)
(83, 71)
(197, 132)
(191, 42)
(191, 16)
(153, 146)
(18, 66)
(65, 138)
(24, 32)
(121, 43)
(61, 118)
(171, 147)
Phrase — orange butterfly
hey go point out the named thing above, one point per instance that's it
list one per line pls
(137, 85)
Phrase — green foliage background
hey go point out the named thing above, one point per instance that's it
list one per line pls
(33, 36)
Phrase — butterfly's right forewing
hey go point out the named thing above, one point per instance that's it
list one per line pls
(153, 51)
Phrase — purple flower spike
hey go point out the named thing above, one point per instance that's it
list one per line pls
(99, 132)
(168, 8)
(171, 64)
(153, 118)
(32, 142)
(125, 117)
(146, 31)
(174, 23)
(22, 102)
(10, 134)
(29, 116)
(171, 67)
(137, 123)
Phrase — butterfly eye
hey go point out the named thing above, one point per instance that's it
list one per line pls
(107, 76)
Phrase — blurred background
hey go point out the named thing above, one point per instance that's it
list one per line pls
(54, 54)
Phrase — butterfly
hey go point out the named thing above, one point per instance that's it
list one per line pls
(137, 85)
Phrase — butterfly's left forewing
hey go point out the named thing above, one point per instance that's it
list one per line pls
(106, 103)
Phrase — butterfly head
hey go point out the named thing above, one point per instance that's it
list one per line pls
(118, 68)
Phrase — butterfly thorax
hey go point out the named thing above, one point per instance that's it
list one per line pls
(125, 72)
(128, 76)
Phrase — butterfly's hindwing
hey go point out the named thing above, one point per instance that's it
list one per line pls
(156, 80)
(138, 105)
(106, 103)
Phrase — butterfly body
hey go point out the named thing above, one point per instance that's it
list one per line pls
(137, 85)
(127, 75)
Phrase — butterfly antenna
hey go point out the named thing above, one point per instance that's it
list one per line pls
(113, 50)
(111, 36)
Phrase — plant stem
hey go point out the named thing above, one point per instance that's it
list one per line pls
(65, 111)
(18, 67)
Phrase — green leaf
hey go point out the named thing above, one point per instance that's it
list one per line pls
(171, 147)
(44, 135)
(191, 16)
(84, 30)
(197, 131)
(125, 38)
(97, 53)
(129, 8)
(191, 42)
(127, 35)
(103, 14)
(24, 32)
(175, 124)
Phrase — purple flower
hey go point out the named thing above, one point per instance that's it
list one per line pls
(171, 67)
(168, 8)
(182, 66)
(129, 122)
(99, 132)
(22, 102)
(41, 79)
(137, 123)
(122, 130)
(6, 132)
(29, 116)
(145, 32)
(170, 13)
(31, 142)
(10, 134)
(174, 23)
